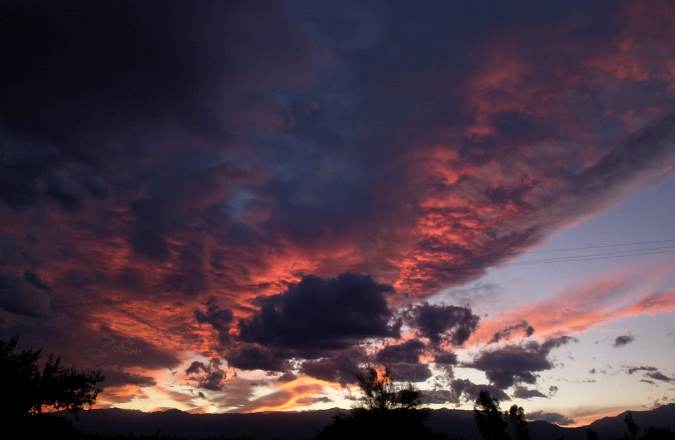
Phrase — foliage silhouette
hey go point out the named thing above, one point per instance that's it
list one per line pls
(387, 410)
(632, 428)
(489, 418)
(28, 389)
(495, 425)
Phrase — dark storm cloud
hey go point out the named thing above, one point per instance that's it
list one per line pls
(551, 417)
(320, 314)
(506, 332)
(207, 376)
(342, 367)
(622, 340)
(408, 351)
(219, 319)
(442, 322)
(116, 378)
(25, 295)
(159, 154)
(404, 361)
(410, 371)
(105, 73)
(252, 357)
(517, 363)
(445, 358)
(114, 348)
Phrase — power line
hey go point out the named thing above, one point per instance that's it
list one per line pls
(599, 246)
(590, 258)
(627, 252)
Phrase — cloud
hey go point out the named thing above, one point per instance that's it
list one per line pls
(517, 363)
(26, 295)
(116, 378)
(207, 376)
(437, 396)
(322, 314)
(622, 340)
(404, 361)
(632, 370)
(342, 367)
(253, 357)
(219, 319)
(506, 332)
(551, 417)
(287, 396)
(443, 323)
(650, 372)
(469, 391)
(408, 351)
(226, 159)
(527, 393)
(657, 375)
(583, 306)
(445, 358)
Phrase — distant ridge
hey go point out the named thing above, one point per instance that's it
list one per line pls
(305, 425)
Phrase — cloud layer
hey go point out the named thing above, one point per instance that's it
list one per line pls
(282, 185)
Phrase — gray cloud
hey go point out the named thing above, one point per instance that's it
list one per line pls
(443, 323)
(322, 314)
(516, 363)
(551, 417)
(622, 340)
(506, 332)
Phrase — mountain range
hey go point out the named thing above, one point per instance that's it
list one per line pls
(306, 424)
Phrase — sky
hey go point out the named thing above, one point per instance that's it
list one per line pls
(236, 206)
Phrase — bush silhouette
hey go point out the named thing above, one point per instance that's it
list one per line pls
(387, 410)
(28, 389)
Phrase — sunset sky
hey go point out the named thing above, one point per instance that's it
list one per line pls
(235, 206)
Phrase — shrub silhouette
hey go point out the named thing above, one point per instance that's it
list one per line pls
(28, 390)
(495, 425)
(387, 410)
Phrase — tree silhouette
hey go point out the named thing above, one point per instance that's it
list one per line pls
(28, 389)
(489, 418)
(387, 411)
(518, 422)
(380, 393)
(495, 425)
(632, 428)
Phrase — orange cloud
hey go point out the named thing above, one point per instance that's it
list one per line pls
(581, 308)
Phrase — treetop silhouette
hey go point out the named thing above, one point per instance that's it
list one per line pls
(30, 389)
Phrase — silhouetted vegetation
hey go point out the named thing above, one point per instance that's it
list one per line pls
(495, 425)
(632, 429)
(32, 389)
(651, 433)
(30, 386)
(28, 389)
(387, 411)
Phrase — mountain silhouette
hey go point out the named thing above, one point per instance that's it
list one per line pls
(304, 425)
